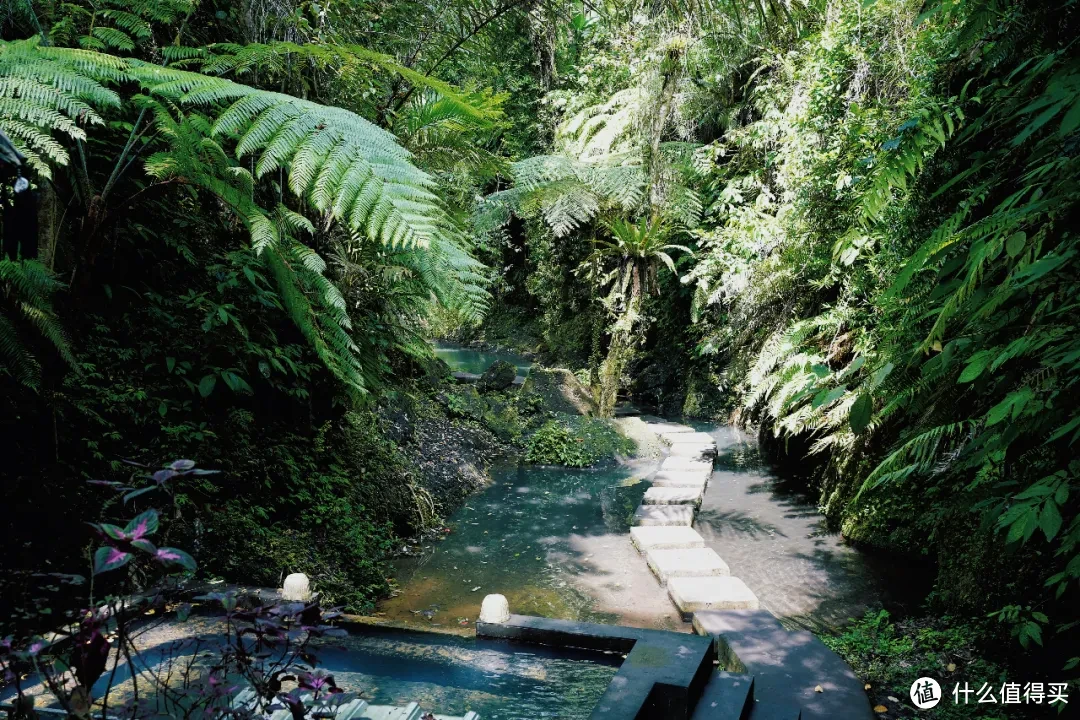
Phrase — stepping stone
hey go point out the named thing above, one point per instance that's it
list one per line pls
(690, 437)
(681, 463)
(691, 594)
(665, 427)
(680, 479)
(672, 496)
(693, 452)
(658, 537)
(695, 562)
(664, 515)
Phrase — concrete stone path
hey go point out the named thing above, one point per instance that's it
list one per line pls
(787, 666)
(784, 669)
(697, 578)
(647, 538)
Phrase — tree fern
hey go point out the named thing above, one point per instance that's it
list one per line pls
(342, 165)
(125, 24)
(341, 61)
(313, 302)
(27, 319)
(336, 162)
(49, 91)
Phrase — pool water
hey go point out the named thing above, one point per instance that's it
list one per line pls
(446, 674)
(453, 675)
(463, 359)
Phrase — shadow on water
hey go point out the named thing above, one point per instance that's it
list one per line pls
(762, 517)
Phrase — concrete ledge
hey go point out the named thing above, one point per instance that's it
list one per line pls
(667, 564)
(662, 677)
(658, 537)
(664, 515)
(787, 666)
(726, 697)
(694, 594)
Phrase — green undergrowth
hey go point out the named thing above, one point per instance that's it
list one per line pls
(506, 415)
(577, 441)
(889, 655)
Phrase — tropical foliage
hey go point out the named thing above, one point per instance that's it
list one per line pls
(878, 197)
(848, 223)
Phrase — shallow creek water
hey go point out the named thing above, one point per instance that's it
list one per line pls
(533, 535)
(471, 360)
(556, 543)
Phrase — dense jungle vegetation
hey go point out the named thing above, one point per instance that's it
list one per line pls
(848, 223)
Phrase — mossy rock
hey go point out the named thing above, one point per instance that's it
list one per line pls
(464, 402)
(560, 391)
(498, 377)
(576, 441)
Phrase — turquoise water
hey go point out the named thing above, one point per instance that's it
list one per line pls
(449, 675)
(462, 359)
(452, 675)
(555, 542)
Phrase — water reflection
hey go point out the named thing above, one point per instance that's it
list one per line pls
(463, 359)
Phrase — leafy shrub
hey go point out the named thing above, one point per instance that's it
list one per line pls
(890, 655)
(262, 661)
(576, 442)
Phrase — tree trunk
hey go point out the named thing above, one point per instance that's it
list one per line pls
(620, 353)
(50, 215)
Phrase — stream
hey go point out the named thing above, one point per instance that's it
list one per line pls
(555, 542)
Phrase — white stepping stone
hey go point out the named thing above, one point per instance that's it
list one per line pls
(664, 515)
(692, 594)
(671, 496)
(692, 452)
(680, 479)
(691, 437)
(681, 463)
(665, 427)
(659, 537)
(696, 562)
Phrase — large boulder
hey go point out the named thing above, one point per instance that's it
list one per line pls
(499, 376)
(559, 390)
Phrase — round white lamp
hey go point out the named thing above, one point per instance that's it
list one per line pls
(494, 609)
(296, 588)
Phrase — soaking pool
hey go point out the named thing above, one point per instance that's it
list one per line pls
(445, 674)
(453, 675)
